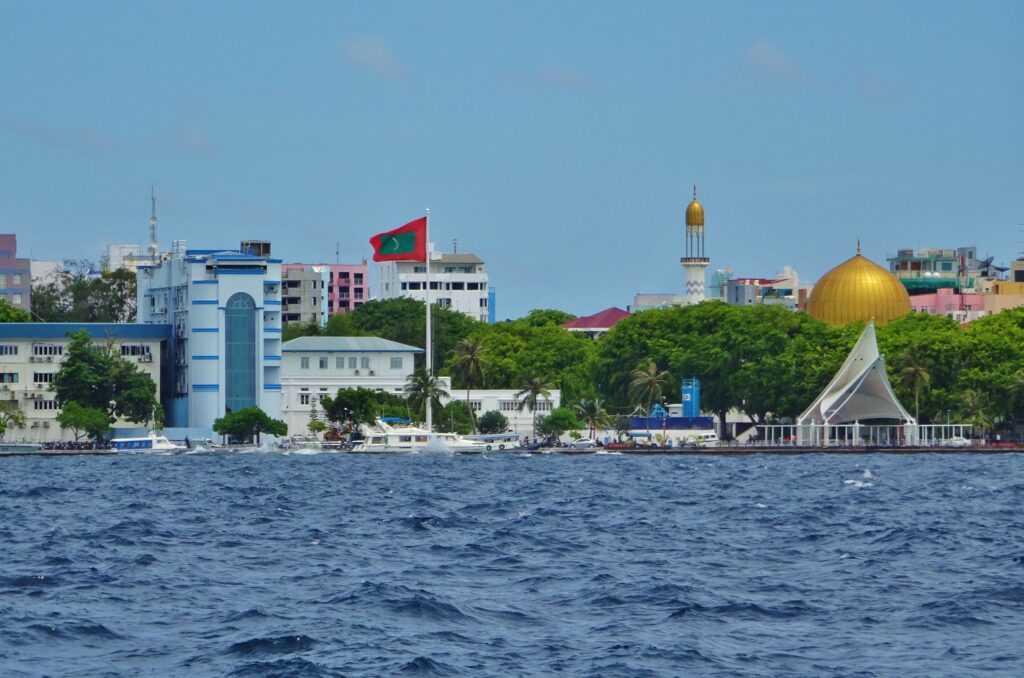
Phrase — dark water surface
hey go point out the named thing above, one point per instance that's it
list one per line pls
(323, 565)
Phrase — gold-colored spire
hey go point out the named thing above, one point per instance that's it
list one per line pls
(695, 211)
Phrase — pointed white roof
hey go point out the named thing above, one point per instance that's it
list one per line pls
(860, 390)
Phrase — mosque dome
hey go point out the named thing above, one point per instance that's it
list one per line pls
(695, 212)
(858, 289)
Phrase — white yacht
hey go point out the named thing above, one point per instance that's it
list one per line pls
(383, 437)
(150, 443)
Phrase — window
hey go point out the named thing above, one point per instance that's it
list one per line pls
(419, 269)
(16, 299)
(405, 286)
(43, 377)
(508, 405)
(134, 350)
(483, 302)
(364, 362)
(240, 352)
(359, 293)
(16, 279)
(48, 349)
(323, 363)
(358, 280)
(476, 405)
(415, 286)
(458, 286)
(339, 363)
(303, 398)
(8, 377)
(304, 363)
(352, 362)
(472, 286)
(396, 362)
(45, 404)
(8, 349)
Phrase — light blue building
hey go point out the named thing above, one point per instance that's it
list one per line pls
(224, 308)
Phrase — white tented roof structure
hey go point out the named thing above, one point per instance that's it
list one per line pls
(859, 391)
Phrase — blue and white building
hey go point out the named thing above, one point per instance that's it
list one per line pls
(224, 309)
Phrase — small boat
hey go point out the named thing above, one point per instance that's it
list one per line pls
(383, 437)
(150, 443)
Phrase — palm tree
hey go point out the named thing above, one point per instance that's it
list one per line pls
(593, 414)
(422, 387)
(973, 410)
(532, 390)
(913, 374)
(470, 361)
(646, 386)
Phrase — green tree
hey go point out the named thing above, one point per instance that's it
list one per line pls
(9, 314)
(82, 420)
(647, 384)
(316, 426)
(294, 330)
(248, 423)
(352, 406)
(492, 421)
(913, 374)
(422, 388)
(593, 415)
(469, 361)
(974, 411)
(530, 393)
(80, 294)
(454, 417)
(10, 416)
(560, 420)
(95, 376)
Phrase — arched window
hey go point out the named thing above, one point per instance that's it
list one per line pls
(240, 353)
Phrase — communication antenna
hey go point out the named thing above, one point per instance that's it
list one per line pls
(455, 246)
(337, 252)
(153, 246)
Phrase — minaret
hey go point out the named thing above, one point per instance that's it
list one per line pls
(153, 245)
(694, 262)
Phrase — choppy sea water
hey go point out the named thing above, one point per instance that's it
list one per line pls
(326, 565)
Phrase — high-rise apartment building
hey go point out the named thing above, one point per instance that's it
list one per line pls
(315, 292)
(457, 281)
(15, 274)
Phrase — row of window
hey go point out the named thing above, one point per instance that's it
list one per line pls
(47, 349)
(45, 404)
(514, 405)
(13, 299)
(434, 285)
(8, 349)
(363, 363)
(447, 269)
(15, 279)
(135, 350)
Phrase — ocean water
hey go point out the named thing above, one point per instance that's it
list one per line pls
(269, 564)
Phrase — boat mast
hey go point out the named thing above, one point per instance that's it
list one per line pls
(429, 348)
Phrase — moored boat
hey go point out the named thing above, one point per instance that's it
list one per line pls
(150, 443)
(383, 437)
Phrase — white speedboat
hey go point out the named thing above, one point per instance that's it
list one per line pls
(383, 437)
(150, 443)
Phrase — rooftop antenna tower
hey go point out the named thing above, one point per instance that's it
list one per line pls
(153, 246)
(455, 246)
(337, 252)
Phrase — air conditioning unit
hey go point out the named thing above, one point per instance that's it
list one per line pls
(357, 373)
(6, 387)
(372, 373)
(49, 358)
(35, 424)
(46, 424)
(33, 359)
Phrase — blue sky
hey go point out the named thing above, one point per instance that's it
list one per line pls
(558, 141)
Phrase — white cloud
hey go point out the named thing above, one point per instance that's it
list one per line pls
(765, 59)
(375, 57)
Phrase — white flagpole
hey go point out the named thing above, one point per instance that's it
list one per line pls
(430, 357)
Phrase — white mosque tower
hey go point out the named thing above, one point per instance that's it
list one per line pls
(695, 261)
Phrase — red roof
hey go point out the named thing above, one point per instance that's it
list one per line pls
(606, 319)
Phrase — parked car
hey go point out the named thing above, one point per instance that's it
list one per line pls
(583, 443)
(956, 441)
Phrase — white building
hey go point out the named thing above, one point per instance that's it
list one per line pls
(457, 281)
(31, 354)
(520, 419)
(224, 307)
(314, 367)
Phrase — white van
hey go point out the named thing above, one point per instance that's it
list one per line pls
(702, 439)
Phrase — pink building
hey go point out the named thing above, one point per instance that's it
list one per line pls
(946, 301)
(321, 290)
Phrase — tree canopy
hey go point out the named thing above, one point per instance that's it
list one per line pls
(249, 423)
(10, 314)
(80, 294)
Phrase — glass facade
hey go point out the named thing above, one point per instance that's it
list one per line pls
(240, 353)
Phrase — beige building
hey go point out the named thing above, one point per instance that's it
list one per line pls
(32, 353)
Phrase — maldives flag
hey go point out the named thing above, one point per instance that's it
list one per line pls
(405, 243)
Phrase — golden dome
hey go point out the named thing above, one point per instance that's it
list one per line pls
(858, 289)
(695, 212)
